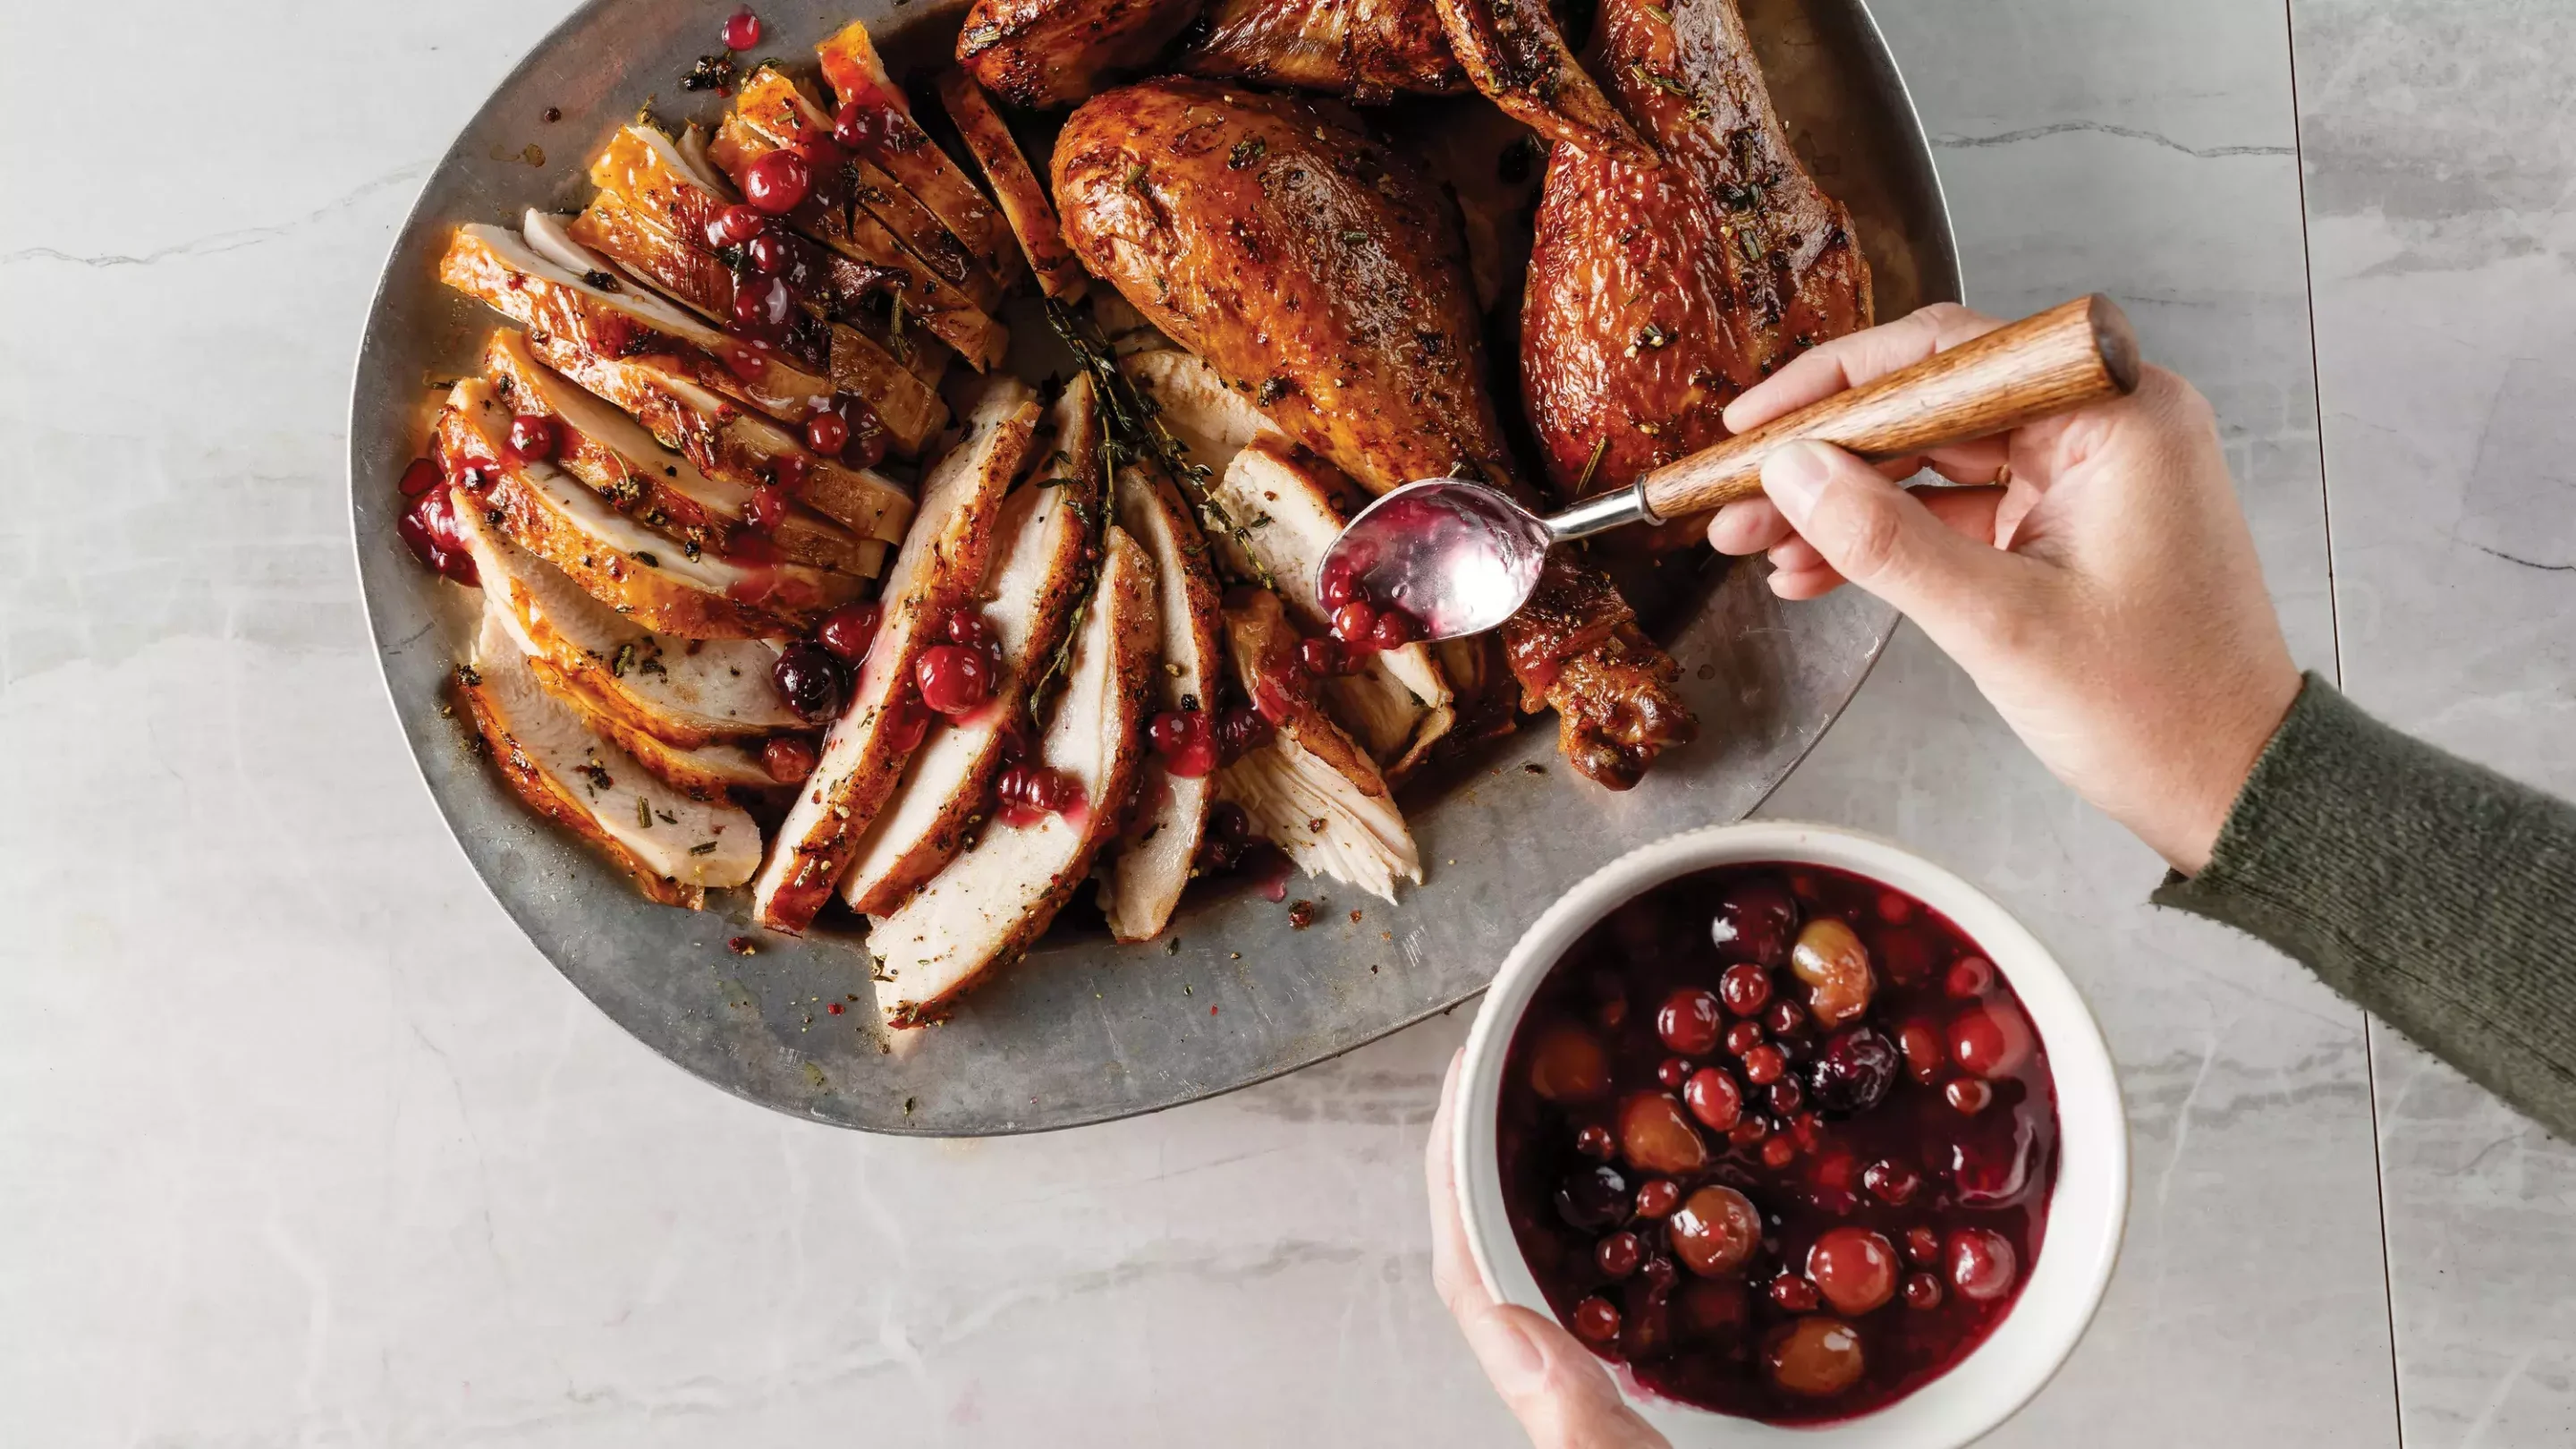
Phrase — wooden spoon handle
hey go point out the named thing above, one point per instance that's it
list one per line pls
(2077, 353)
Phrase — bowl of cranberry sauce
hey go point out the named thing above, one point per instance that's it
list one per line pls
(1802, 1134)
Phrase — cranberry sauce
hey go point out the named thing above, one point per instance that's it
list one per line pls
(1779, 1139)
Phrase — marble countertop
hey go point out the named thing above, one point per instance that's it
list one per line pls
(301, 1143)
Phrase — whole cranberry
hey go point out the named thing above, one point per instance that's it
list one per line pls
(1655, 1136)
(1714, 1098)
(1922, 1245)
(1658, 1198)
(1619, 1254)
(1969, 977)
(1230, 822)
(859, 126)
(767, 254)
(1854, 1268)
(1393, 630)
(736, 225)
(1895, 908)
(1764, 1065)
(827, 433)
(777, 183)
(420, 476)
(1596, 1319)
(1353, 621)
(1742, 1037)
(867, 446)
(1745, 988)
(1749, 1132)
(1990, 1039)
(1922, 1290)
(1671, 1072)
(1239, 732)
(766, 508)
(1967, 1095)
(1892, 1182)
(809, 679)
(533, 437)
(1837, 1170)
(1830, 959)
(761, 307)
(1853, 1072)
(1715, 1231)
(1568, 1064)
(1689, 1022)
(954, 679)
(1982, 1265)
(741, 31)
(1593, 1198)
(1321, 657)
(967, 626)
(849, 630)
(788, 759)
(1785, 1018)
(1926, 1053)
(1794, 1293)
(1786, 1096)
(1755, 922)
(1779, 1152)
(1338, 584)
(1594, 1141)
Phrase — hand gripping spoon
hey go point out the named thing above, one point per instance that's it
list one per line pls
(1461, 557)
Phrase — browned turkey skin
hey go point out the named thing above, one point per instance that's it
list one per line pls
(1656, 296)
(1312, 268)
(1369, 50)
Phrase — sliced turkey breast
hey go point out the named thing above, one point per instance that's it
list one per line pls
(636, 475)
(688, 692)
(939, 566)
(676, 848)
(1160, 841)
(617, 560)
(1024, 201)
(1312, 791)
(729, 443)
(1036, 575)
(997, 898)
(865, 214)
(897, 143)
(1211, 420)
(1286, 507)
(505, 272)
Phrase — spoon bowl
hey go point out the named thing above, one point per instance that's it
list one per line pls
(1460, 557)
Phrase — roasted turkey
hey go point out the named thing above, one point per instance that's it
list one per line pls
(1321, 278)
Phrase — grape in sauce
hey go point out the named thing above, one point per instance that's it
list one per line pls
(1901, 1196)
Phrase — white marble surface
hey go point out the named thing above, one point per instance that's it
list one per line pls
(2441, 193)
(300, 1143)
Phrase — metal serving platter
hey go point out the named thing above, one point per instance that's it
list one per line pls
(1084, 1030)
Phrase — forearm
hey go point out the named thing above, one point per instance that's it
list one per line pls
(2438, 895)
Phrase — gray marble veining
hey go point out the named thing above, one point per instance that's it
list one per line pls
(2441, 191)
(307, 1146)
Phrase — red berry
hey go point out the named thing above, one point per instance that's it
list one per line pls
(1596, 1319)
(421, 476)
(1925, 1053)
(1794, 1293)
(1891, 1182)
(1689, 1022)
(1594, 1141)
(1855, 1269)
(431, 530)
(1714, 1098)
(1336, 587)
(1321, 658)
(1658, 1198)
(1619, 1254)
(809, 679)
(1787, 1096)
(1785, 1018)
(1238, 732)
(1745, 988)
(1922, 1290)
(761, 307)
(1352, 621)
(1743, 1037)
(777, 183)
(954, 679)
(1716, 1232)
(766, 508)
(1969, 976)
(1922, 1245)
(742, 31)
(1990, 1040)
(787, 758)
(1749, 1132)
(1671, 1072)
(1393, 630)
(968, 626)
(1779, 1152)
(827, 433)
(1764, 1065)
(1967, 1094)
(736, 225)
(767, 252)
(533, 436)
(851, 629)
(1169, 731)
(1982, 1265)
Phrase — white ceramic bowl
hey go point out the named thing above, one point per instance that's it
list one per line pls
(2085, 1212)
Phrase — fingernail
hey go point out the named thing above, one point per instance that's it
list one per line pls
(1511, 1358)
(1793, 474)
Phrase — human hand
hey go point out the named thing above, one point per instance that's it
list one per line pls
(2105, 596)
(1561, 1393)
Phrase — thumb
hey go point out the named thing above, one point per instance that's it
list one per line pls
(1562, 1395)
(1881, 537)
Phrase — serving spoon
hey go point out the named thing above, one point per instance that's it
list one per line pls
(1460, 557)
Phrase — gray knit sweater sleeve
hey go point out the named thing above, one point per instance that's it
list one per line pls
(2439, 895)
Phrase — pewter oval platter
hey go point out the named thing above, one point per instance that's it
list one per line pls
(1083, 1030)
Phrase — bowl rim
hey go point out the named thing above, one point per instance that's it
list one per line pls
(2087, 1209)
